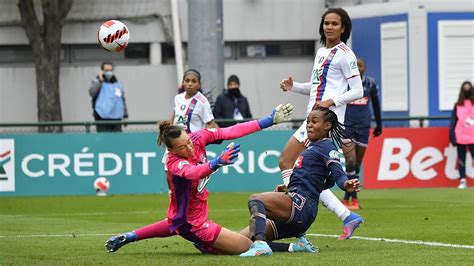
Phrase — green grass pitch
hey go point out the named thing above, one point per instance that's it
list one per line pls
(73, 230)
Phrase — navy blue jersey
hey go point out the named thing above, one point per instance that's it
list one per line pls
(358, 112)
(317, 168)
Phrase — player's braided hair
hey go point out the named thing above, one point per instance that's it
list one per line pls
(345, 21)
(336, 132)
(168, 132)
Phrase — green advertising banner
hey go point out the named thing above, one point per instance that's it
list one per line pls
(68, 164)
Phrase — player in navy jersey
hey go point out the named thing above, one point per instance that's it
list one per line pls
(277, 215)
(334, 70)
(358, 120)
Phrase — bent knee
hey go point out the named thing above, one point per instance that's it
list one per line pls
(285, 162)
(255, 197)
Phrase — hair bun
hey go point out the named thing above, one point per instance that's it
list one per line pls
(164, 125)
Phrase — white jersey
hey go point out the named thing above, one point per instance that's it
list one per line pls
(193, 113)
(332, 68)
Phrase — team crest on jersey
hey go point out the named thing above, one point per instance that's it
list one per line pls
(182, 164)
(299, 162)
(334, 154)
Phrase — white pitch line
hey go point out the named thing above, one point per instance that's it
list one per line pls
(414, 242)
(58, 235)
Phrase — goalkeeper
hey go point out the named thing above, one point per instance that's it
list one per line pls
(188, 173)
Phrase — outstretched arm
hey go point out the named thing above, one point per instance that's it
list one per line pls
(290, 85)
(280, 114)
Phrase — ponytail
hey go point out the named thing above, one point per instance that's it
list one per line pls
(168, 132)
(337, 131)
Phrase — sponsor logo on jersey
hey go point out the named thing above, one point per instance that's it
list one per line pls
(353, 64)
(202, 184)
(299, 162)
(182, 164)
(334, 154)
(361, 101)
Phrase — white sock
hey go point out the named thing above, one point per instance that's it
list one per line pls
(285, 175)
(330, 201)
(290, 248)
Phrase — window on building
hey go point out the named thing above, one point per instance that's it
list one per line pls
(394, 55)
(455, 65)
(70, 54)
(253, 50)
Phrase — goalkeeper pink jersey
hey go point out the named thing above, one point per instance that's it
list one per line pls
(188, 177)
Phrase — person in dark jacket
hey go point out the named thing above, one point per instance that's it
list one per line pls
(231, 104)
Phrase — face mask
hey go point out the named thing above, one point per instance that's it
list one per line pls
(108, 75)
(467, 94)
(234, 92)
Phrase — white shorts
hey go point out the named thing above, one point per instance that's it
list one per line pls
(165, 157)
(301, 135)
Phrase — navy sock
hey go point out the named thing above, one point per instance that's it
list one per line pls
(347, 195)
(258, 220)
(279, 247)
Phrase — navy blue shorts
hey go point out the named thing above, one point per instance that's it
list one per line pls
(303, 214)
(359, 134)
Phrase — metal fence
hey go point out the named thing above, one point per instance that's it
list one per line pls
(152, 126)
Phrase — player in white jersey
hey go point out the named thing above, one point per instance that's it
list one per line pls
(335, 68)
(191, 108)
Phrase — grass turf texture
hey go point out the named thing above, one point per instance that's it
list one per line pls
(74, 229)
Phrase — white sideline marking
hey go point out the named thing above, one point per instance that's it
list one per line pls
(106, 213)
(415, 242)
(62, 235)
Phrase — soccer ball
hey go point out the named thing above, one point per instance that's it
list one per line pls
(113, 36)
(101, 185)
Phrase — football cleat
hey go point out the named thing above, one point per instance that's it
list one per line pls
(116, 242)
(351, 223)
(355, 205)
(258, 249)
(303, 245)
(346, 203)
(462, 183)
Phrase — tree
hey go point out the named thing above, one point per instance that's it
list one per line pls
(45, 41)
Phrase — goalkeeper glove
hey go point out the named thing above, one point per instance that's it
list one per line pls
(227, 157)
(279, 114)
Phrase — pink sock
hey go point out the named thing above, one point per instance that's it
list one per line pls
(159, 229)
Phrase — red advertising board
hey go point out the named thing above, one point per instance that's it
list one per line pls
(413, 158)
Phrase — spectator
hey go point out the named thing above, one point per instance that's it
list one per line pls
(108, 99)
(231, 104)
(461, 129)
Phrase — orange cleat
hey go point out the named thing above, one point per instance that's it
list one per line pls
(346, 203)
(355, 205)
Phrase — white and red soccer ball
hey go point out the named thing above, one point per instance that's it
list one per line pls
(113, 36)
(101, 185)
